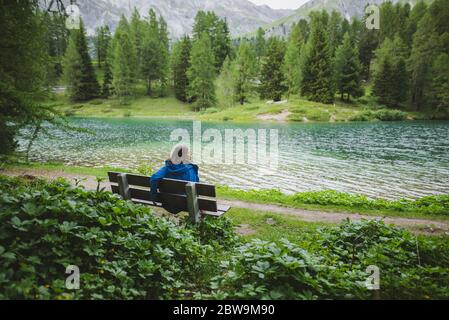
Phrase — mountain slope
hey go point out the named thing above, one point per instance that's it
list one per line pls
(242, 15)
(347, 8)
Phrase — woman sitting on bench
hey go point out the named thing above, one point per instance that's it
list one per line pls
(178, 167)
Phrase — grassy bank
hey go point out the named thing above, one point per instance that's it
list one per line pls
(430, 207)
(295, 110)
(433, 207)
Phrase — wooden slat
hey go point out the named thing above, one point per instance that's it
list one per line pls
(133, 179)
(214, 214)
(166, 185)
(207, 204)
(178, 186)
(135, 193)
(206, 190)
(223, 208)
(178, 200)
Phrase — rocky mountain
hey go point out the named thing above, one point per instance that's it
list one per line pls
(243, 16)
(347, 8)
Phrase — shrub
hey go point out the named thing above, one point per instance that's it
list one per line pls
(296, 117)
(390, 115)
(334, 266)
(213, 231)
(122, 250)
(318, 115)
(382, 115)
(363, 116)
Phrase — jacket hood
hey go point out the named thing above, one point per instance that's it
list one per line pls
(180, 169)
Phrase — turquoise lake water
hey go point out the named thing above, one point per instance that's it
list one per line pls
(380, 159)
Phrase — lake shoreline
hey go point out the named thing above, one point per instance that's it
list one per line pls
(337, 202)
(295, 110)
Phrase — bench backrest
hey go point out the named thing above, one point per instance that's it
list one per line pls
(170, 191)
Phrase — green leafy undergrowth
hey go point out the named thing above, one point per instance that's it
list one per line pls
(122, 250)
(333, 264)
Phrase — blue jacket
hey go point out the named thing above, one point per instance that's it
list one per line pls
(186, 172)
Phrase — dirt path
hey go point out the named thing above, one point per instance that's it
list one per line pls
(417, 225)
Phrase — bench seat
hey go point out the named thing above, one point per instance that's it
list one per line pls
(173, 195)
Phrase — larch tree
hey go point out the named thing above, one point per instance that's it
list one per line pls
(225, 85)
(244, 68)
(292, 68)
(202, 73)
(122, 67)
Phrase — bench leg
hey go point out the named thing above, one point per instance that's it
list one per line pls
(123, 186)
(192, 203)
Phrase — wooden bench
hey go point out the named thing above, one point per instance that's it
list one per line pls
(173, 195)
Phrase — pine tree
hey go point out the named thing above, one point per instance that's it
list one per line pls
(425, 46)
(101, 41)
(348, 69)
(418, 11)
(291, 67)
(317, 78)
(23, 67)
(334, 31)
(368, 42)
(72, 68)
(57, 39)
(122, 68)
(244, 70)
(79, 74)
(218, 31)
(164, 55)
(440, 82)
(260, 43)
(122, 29)
(272, 78)
(298, 34)
(401, 83)
(180, 65)
(389, 66)
(151, 50)
(136, 30)
(394, 50)
(201, 73)
(106, 88)
(222, 43)
(391, 83)
(383, 83)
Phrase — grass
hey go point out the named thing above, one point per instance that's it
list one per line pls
(58, 167)
(332, 201)
(139, 106)
(271, 226)
(256, 110)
